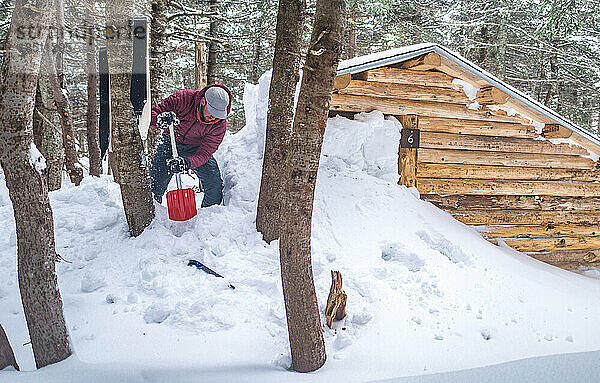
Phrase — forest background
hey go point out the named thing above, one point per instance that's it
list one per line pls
(550, 49)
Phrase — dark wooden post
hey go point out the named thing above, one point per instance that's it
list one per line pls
(409, 144)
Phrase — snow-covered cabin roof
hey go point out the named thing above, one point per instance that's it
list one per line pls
(397, 55)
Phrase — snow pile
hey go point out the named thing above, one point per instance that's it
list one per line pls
(425, 294)
(369, 143)
(36, 159)
(470, 92)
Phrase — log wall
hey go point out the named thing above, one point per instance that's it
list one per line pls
(487, 168)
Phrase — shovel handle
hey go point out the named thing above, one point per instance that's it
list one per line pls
(173, 145)
(175, 154)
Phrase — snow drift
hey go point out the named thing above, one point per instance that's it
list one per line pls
(426, 294)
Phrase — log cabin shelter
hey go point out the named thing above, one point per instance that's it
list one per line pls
(483, 151)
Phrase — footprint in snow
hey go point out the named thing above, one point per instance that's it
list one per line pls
(396, 252)
(438, 242)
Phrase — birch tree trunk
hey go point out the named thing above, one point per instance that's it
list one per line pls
(286, 63)
(126, 139)
(59, 49)
(22, 165)
(92, 90)
(158, 55)
(63, 107)
(47, 131)
(303, 318)
(56, 76)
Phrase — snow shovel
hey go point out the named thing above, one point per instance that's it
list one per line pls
(181, 203)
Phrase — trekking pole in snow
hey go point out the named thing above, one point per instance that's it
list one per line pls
(206, 269)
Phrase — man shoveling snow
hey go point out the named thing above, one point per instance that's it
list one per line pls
(202, 115)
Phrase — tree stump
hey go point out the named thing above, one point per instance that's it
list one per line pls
(336, 302)
(7, 357)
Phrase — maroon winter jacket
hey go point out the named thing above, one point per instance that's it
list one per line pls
(191, 130)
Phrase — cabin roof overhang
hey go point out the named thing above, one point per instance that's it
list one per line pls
(398, 55)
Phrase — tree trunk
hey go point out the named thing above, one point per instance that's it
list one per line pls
(351, 36)
(502, 43)
(254, 74)
(74, 170)
(126, 139)
(92, 90)
(47, 133)
(553, 76)
(7, 356)
(303, 318)
(22, 166)
(539, 87)
(59, 49)
(200, 72)
(286, 63)
(158, 56)
(483, 50)
(212, 46)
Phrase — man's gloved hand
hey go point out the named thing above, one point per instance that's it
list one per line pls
(178, 164)
(165, 119)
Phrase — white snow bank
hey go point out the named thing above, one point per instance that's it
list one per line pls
(426, 294)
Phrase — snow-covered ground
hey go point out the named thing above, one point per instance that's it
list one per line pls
(426, 295)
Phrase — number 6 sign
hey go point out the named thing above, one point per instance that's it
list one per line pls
(409, 138)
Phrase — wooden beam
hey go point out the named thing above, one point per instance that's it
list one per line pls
(526, 217)
(486, 128)
(589, 145)
(525, 110)
(425, 62)
(502, 202)
(503, 187)
(459, 171)
(551, 244)
(479, 157)
(455, 70)
(524, 231)
(407, 77)
(407, 162)
(340, 82)
(353, 103)
(490, 95)
(556, 131)
(569, 259)
(405, 92)
(435, 140)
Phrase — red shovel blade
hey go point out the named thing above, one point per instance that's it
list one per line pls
(181, 204)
